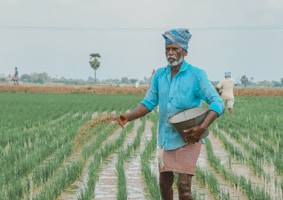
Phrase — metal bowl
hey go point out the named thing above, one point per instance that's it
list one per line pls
(188, 118)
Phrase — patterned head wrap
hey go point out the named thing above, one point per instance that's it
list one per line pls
(180, 36)
(227, 74)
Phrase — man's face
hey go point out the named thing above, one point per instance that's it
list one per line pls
(174, 54)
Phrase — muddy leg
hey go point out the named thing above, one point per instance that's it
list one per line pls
(166, 180)
(184, 187)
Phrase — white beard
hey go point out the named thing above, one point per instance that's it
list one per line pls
(176, 61)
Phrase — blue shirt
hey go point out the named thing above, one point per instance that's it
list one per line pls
(188, 88)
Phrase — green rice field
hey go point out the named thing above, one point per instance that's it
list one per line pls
(66, 146)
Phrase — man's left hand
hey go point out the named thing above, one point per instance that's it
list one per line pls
(194, 133)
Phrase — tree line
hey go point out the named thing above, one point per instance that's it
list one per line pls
(44, 78)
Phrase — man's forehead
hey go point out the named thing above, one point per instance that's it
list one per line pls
(173, 45)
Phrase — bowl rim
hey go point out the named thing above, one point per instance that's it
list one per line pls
(204, 109)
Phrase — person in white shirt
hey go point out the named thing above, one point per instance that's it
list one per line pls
(226, 87)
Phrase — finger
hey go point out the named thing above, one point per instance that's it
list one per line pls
(120, 122)
(187, 130)
(123, 118)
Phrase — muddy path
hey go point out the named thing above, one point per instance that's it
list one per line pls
(221, 153)
(107, 184)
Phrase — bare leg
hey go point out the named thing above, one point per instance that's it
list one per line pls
(184, 187)
(166, 180)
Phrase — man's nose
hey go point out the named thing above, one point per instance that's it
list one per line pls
(170, 51)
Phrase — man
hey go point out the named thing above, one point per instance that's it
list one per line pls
(16, 77)
(227, 91)
(173, 88)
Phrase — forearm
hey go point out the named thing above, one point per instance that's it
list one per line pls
(138, 112)
(210, 117)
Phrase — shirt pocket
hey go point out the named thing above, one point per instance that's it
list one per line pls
(183, 100)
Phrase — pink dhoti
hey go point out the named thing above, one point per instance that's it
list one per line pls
(182, 160)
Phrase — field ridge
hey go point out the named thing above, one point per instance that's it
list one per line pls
(118, 89)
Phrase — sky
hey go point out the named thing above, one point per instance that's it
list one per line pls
(244, 37)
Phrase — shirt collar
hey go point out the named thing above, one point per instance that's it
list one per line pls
(183, 67)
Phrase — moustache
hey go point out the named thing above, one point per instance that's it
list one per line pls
(174, 57)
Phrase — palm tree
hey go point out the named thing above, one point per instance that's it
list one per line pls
(94, 63)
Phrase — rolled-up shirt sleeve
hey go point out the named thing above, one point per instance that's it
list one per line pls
(209, 94)
(151, 98)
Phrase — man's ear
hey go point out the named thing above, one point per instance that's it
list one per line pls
(185, 53)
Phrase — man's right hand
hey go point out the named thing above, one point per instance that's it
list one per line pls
(122, 120)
